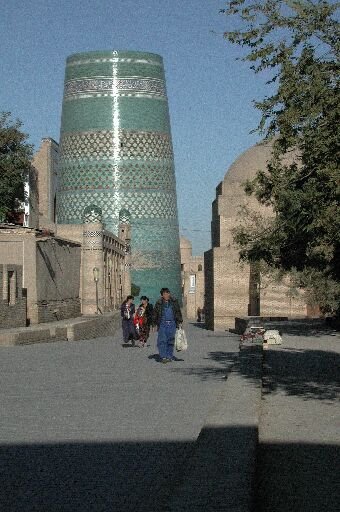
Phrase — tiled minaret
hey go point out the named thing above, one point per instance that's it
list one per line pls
(116, 153)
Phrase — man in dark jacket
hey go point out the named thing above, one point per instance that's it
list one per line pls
(166, 316)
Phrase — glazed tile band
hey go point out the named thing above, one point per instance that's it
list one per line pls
(116, 155)
(113, 87)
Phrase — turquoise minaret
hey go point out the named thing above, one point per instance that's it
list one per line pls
(116, 153)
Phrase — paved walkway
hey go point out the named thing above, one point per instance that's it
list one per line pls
(95, 426)
(299, 451)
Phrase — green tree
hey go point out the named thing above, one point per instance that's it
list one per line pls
(15, 155)
(135, 290)
(297, 43)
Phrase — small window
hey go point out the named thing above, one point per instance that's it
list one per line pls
(192, 285)
(199, 268)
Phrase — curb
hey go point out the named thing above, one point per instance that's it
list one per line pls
(220, 474)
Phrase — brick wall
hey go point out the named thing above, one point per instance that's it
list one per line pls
(58, 279)
(209, 288)
(230, 288)
(96, 327)
(193, 297)
(13, 300)
(75, 329)
(45, 164)
(33, 199)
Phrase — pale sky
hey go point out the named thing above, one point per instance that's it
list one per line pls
(210, 93)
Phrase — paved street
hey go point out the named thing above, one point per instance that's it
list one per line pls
(96, 426)
(299, 451)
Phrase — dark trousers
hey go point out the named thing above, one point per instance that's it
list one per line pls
(129, 330)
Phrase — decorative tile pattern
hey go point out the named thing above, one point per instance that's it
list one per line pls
(93, 240)
(116, 161)
(141, 205)
(137, 175)
(93, 145)
(124, 216)
(144, 145)
(114, 57)
(113, 87)
(92, 214)
(106, 144)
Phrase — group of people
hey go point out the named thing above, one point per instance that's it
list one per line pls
(166, 316)
(136, 323)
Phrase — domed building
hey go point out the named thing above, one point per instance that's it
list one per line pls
(234, 289)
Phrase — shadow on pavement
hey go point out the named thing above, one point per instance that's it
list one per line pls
(72, 477)
(227, 361)
(216, 473)
(157, 358)
(200, 325)
(311, 374)
(302, 478)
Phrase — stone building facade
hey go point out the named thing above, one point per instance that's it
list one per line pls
(13, 296)
(105, 288)
(43, 185)
(233, 289)
(50, 269)
(56, 261)
(47, 276)
(192, 270)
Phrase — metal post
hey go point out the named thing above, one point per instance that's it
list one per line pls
(96, 279)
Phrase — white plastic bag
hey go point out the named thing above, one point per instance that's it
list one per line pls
(181, 342)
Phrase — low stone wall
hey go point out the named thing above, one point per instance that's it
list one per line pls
(23, 337)
(13, 315)
(97, 327)
(241, 323)
(82, 328)
(50, 311)
(282, 324)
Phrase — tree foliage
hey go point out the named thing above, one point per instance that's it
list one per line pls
(15, 155)
(298, 43)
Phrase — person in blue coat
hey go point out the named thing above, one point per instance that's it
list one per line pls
(167, 316)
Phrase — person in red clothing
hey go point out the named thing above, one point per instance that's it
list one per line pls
(143, 320)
